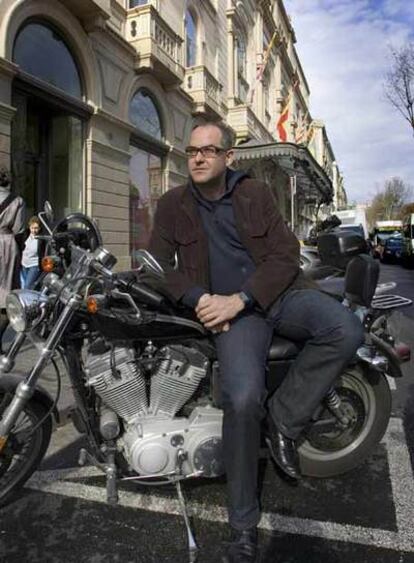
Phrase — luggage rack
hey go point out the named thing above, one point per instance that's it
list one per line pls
(389, 301)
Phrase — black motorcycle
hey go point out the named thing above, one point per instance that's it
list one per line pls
(146, 378)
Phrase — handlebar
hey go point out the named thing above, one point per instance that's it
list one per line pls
(142, 292)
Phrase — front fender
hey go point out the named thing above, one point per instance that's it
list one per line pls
(9, 383)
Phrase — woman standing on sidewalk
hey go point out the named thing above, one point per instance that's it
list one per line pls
(11, 223)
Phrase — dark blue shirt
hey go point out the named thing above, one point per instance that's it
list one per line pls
(230, 264)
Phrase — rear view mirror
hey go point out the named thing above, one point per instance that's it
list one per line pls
(48, 210)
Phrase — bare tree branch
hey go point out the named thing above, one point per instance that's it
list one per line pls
(399, 82)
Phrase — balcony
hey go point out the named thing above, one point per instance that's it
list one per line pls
(247, 125)
(93, 13)
(158, 47)
(205, 91)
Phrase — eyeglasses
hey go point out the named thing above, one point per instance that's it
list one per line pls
(210, 151)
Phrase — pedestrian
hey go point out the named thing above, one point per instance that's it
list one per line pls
(32, 254)
(238, 267)
(11, 223)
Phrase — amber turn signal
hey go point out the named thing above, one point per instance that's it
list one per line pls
(48, 263)
(95, 303)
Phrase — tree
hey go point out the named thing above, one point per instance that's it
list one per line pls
(388, 203)
(399, 82)
(406, 209)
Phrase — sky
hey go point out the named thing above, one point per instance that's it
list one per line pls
(344, 49)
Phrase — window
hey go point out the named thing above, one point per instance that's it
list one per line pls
(145, 169)
(41, 51)
(266, 97)
(135, 3)
(48, 130)
(266, 39)
(242, 84)
(144, 115)
(241, 56)
(190, 40)
(145, 188)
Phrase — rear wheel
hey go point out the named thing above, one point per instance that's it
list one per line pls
(26, 445)
(330, 449)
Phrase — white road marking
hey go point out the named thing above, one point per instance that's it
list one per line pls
(402, 482)
(401, 476)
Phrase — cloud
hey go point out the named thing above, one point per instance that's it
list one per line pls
(344, 49)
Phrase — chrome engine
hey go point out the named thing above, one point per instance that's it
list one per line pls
(155, 441)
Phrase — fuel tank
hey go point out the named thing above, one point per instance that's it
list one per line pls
(117, 323)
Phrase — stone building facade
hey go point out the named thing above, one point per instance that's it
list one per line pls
(98, 97)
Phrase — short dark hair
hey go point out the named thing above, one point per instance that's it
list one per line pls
(227, 135)
(5, 177)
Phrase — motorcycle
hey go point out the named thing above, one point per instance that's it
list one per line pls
(146, 378)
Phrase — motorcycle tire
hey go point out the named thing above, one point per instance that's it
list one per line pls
(329, 449)
(26, 445)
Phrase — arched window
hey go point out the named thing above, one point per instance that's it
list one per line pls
(41, 51)
(144, 115)
(145, 169)
(190, 39)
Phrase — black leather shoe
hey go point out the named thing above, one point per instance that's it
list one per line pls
(284, 452)
(242, 547)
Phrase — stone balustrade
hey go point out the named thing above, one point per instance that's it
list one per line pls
(205, 90)
(158, 47)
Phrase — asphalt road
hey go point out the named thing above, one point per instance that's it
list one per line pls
(365, 516)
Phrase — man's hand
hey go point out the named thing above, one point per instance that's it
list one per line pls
(214, 311)
(222, 327)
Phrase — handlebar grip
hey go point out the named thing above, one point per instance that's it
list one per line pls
(145, 294)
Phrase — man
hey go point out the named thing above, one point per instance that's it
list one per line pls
(238, 267)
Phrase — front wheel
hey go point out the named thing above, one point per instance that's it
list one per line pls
(328, 448)
(26, 445)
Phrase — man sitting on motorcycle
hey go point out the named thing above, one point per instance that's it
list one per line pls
(238, 268)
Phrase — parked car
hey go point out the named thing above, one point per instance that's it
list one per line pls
(392, 249)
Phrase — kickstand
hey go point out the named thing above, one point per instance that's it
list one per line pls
(192, 546)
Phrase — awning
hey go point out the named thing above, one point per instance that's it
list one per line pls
(311, 180)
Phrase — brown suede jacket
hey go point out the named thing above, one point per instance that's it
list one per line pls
(179, 242)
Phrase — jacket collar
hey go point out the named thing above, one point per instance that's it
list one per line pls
(189, 198)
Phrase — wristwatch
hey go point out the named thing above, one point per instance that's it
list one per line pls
(245, 298)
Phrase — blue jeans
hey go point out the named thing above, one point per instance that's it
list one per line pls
(330, 334)
(28, 276)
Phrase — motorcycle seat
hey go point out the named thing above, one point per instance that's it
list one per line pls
(283, 349)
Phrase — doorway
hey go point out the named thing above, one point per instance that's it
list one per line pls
(47, 155)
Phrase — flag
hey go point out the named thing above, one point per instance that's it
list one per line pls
(281, 131)
(284, 116)
(261, 68)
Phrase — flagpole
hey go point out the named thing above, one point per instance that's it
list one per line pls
(292, 201)
(260, 72)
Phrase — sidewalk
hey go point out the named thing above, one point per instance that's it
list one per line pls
(27, 358)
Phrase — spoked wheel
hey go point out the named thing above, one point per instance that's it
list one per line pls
(331, 449)
(25, 447)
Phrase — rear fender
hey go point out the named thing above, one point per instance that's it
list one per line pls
(9, 383)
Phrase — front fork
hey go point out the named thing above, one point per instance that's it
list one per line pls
(26, 388)
(8, 360)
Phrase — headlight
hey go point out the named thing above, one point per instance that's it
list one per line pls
(24, 307)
